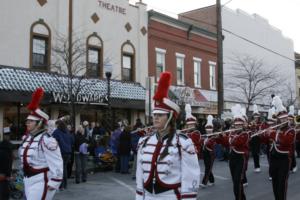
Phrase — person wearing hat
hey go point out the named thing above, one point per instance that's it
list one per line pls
(264, 138)
(281, 150)
(190, 125)
(255, 141)
(208, 154)
(40, 155)
(238, 140)
(291, 118)
(167, 163)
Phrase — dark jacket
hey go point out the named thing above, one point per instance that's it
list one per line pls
(125, 143)
(6, 158)
(64, 139)
(79, 139)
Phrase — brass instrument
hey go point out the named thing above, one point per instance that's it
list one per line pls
(261, 132)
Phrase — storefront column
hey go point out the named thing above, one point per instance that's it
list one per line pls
(77, 121)
(1, 122)
(54, 113)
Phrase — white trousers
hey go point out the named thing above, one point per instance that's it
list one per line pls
(36, 188)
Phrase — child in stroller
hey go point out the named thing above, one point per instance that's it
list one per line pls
(104, 159)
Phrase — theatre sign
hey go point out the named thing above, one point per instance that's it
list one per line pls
(96, 99)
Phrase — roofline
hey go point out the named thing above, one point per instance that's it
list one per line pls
(153, 13)
(196, 9)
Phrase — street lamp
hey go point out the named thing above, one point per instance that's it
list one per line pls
(108, 73)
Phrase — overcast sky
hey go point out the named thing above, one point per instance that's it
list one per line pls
(283, 14)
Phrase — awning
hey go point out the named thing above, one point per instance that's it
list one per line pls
(17, 84)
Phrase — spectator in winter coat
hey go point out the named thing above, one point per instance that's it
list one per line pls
(81, 144)
(6, 159)
(65, 142)
(124, 149)
(114, 145)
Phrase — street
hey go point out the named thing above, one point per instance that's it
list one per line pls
(113, 186)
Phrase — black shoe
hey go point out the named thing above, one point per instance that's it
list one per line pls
(83, 181)
(77, 182)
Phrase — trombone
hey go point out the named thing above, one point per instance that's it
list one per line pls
(260, 132)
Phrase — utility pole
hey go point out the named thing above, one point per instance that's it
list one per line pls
(220, 58)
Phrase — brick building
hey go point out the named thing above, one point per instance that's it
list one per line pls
(190, 54)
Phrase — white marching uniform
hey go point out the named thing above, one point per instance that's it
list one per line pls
(42, 165)
(175, 177)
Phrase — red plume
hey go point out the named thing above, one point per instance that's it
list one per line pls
(163, 86)
(36, 99)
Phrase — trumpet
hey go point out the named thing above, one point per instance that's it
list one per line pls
(221, 132)
(260, 132)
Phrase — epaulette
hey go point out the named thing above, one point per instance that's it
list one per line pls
(144, 139)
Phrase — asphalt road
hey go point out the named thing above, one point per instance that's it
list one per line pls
(114, 186)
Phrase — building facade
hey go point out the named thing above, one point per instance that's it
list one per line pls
(253, 36)
(297, 65)
(190, 54)
(35, 38)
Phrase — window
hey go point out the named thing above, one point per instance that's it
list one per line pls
(180, 68)
(212, 75)
(93, 65)
(94, 56)
(40, 53)
(128, 61)
(160, 62)
(197, 72)
(40, 46)
(127, 67)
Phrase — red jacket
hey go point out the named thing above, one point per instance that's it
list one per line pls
(239, 142)
(283, 140)
(195, 136)
(209, 144)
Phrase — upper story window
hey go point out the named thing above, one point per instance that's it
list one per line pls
(160, 62)
(212, 75)
(128, 62)
(40, 46)
(180, 68)
(197, 72)
(94, 67)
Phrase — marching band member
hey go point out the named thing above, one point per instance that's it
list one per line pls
(208, 154)
(40, 155)
(281, 151)
(291, 118)
(271, 121)
(255, 141)
(167, 163)
(194, 134)
(238, 141)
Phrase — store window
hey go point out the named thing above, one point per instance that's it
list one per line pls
(160, 62)
(197, 72)
(40, 46)
(180, 68)
(128, 61)
(94, 67)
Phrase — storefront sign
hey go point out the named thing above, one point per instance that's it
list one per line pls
(80, 98)
(112, 7)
